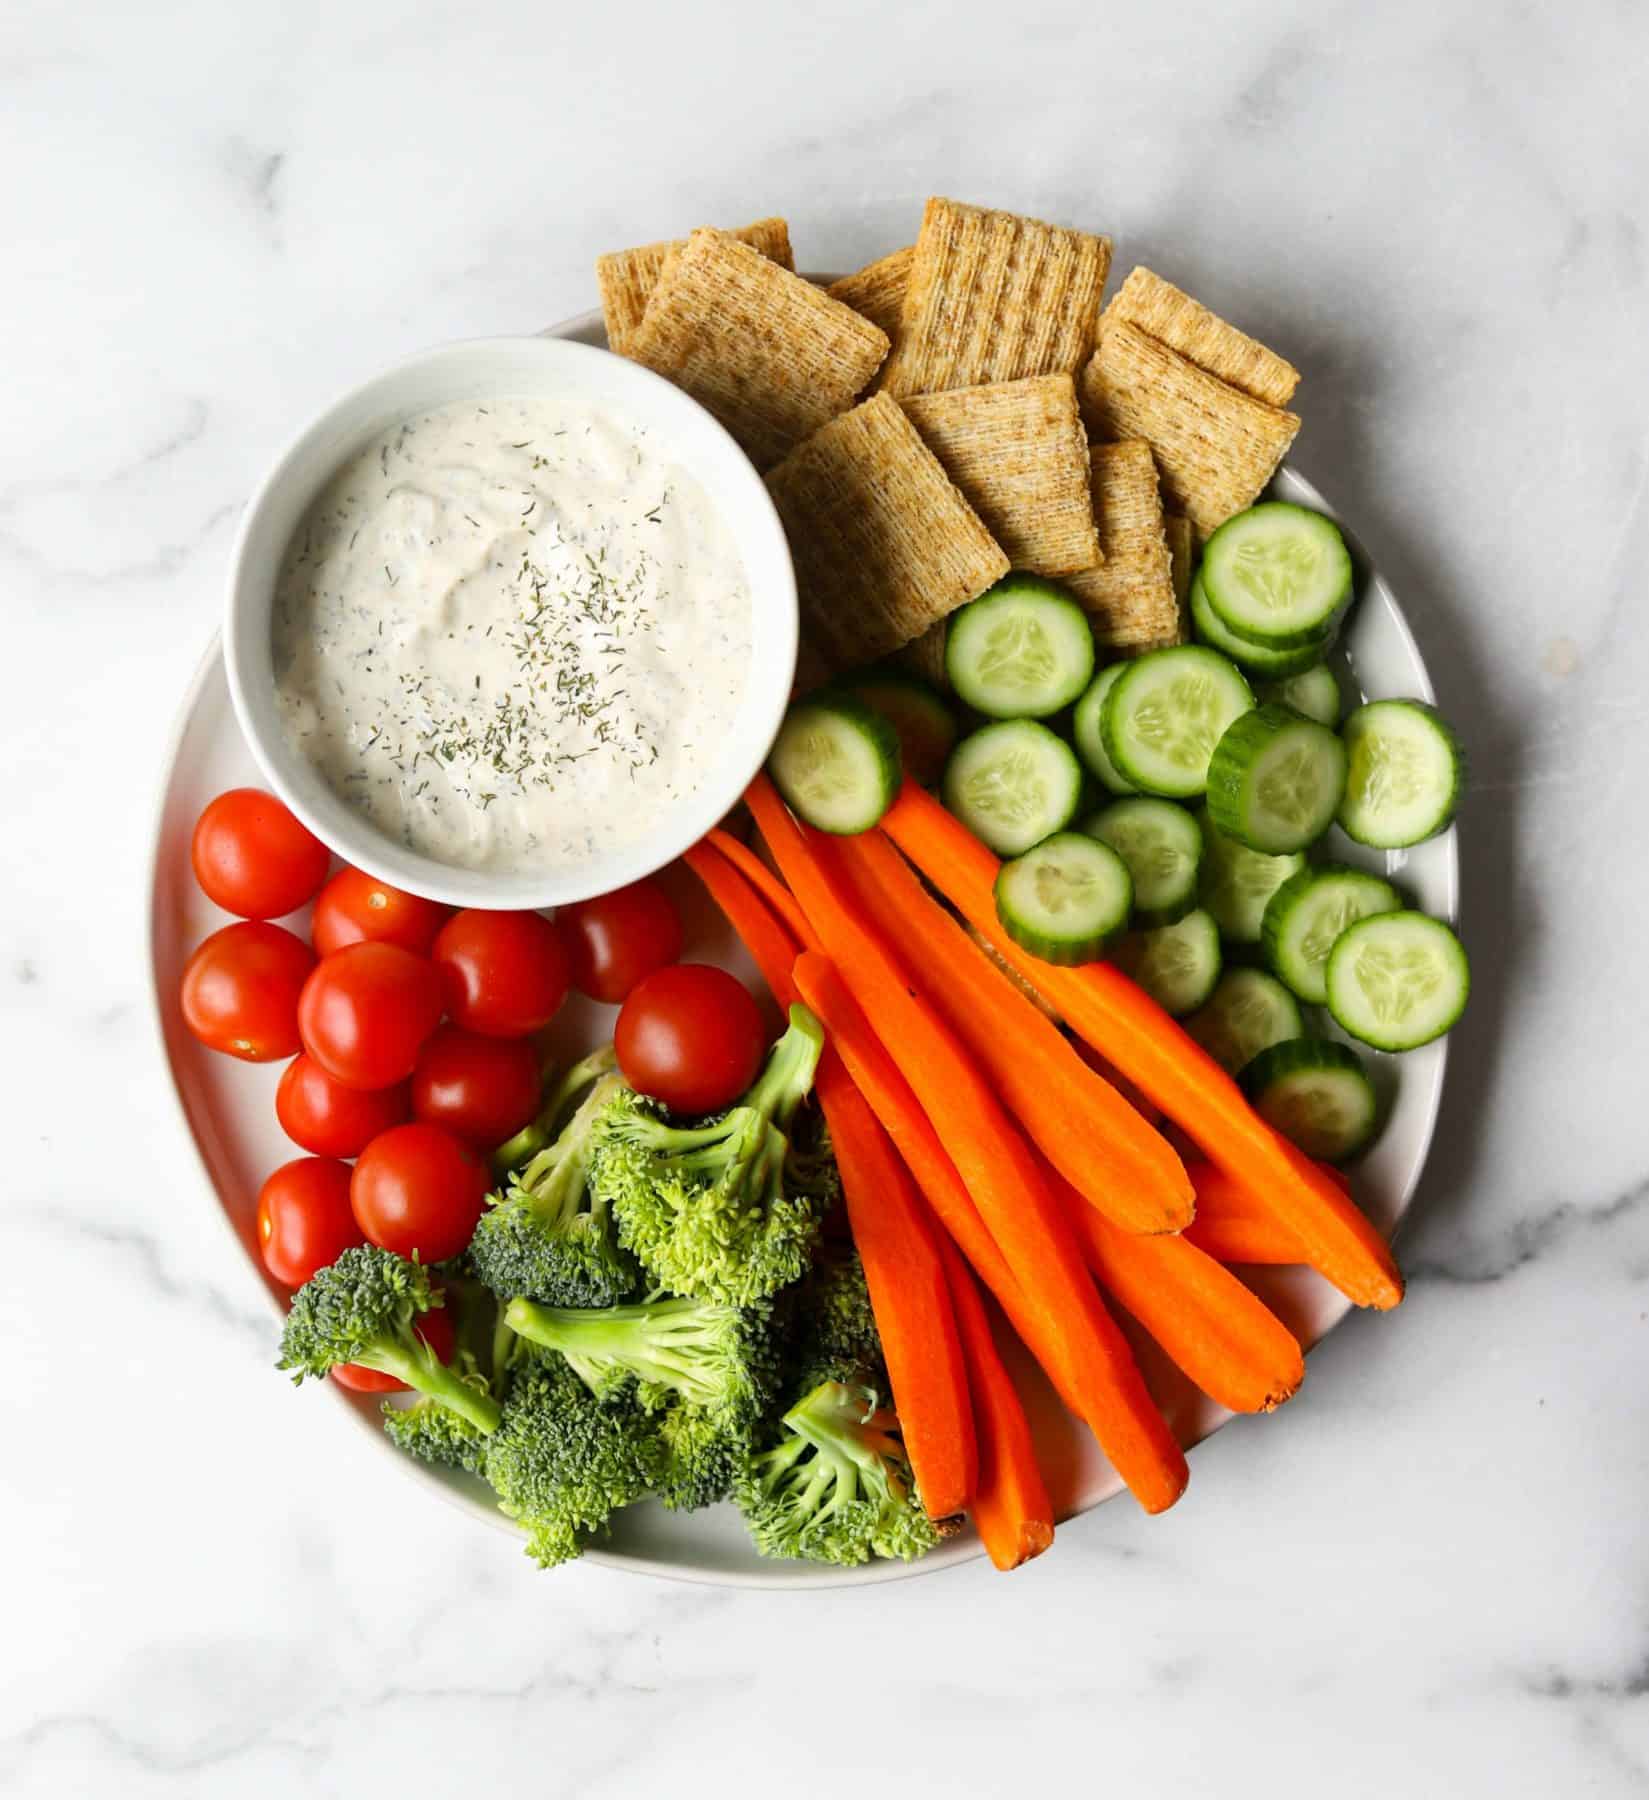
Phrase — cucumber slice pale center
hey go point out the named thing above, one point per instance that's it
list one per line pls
(1183, 719)
(1388, 770)
(1017, 654)
(1290, 785)
(1276, 572)
(1009, 788)
(1397, 980)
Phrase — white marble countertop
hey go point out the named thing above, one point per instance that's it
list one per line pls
(1429, 1575)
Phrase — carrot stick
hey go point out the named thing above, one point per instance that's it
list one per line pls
(1001, 1174)
(1232, 1227)
(1011, 1509)
(1219, 1332)
(768, 885)
(1127, 1027)
(1084, 1127)
(896, 1240)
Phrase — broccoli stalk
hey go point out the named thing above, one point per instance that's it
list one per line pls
(429, 1429)
(539, 1133)
(363, 1309)
(706, 1208)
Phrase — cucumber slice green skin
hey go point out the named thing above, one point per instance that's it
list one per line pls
(916, 710)
(1275, 780)
(1305, 917)
(1277, 574)
(1162, 847)
(1090, 740)
(1405, 774)
(1397, 980)
(1178, 965)
(1317, 1094)
(836, 762)
(1236, 883)
(1248, 1012)
(1166, 712)
(1023, 650)
(1013, 784)
(1314, 692)
(1065, 900)
(1266, 664)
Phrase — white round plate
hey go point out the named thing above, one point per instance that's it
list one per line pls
(228, 1108)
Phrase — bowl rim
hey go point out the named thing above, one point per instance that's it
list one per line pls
(735, 487)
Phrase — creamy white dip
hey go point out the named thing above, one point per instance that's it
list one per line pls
(512, 633)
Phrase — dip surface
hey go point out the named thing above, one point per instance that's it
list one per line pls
(512, 632)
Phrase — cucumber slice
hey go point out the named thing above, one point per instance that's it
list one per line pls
(1165, 714)
(1013, 784)
(1206, 626)
(1317, 1094)
(1090, 740)
(1304, 919)
(1275, 780)
(1065, 900)
(1162, 847)
(1236, 883)
(836, 762)
(1405, 774)
(1314, 692)
(1398, 980)
(1277, 574)
(1022, 650)
(1177, 965)
(916, 710)
(1248, 1012)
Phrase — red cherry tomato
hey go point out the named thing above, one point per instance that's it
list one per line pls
(241, 989)
(617, 938)
(691, 1036)
(417, 1188)
(503, 974)
(358, 909)
(481, 1089)
(365, 1012)
(253, 858)
(436, 1329)
(304, 1221)
(326, 1118)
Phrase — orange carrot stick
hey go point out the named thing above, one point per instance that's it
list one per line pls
(1131, 1030)
(1011, 1509)
(1084, 1127)
(1218, 1331)
(1232, 1227)
(997, 1165)
(772, 947)
(768, 885)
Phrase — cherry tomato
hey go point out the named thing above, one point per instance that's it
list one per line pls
(504, 974)
(691, 1036)
(617, 938)
(357, 909)
(481, 1089)
(241, 988)
(365, 1012)
(436, 1329)
(417, 1188)
(304, 1221)
(326, 1118)
(253, 858)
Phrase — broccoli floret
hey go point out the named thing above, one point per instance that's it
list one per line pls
(835, 1336)
(562, 1462)
(549, 1236)
(363, 1310)
(700, 1455)
(706, 1209)
(837, 1485)
(432, 1431)
(540, 1133)
(811, 1167)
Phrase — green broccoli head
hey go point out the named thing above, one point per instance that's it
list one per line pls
(811, 1167)
(563, 1462)
(706, 1209)
(549, 1236)
(433, 1432)
(835, 1336)
(837, 1486)
(364, 1309)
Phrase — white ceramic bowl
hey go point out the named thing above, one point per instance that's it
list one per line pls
(475, 370)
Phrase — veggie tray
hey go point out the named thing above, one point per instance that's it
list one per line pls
(227, 1104)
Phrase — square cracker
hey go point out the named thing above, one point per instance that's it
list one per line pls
(627, 277)
(1160, 310)
(994, 297)
(925, 655)
(884, 544)
(1216, 447)
(878, 289)
(1130, 596)
(1181, 554)
(771, 355)
(1019, 453)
